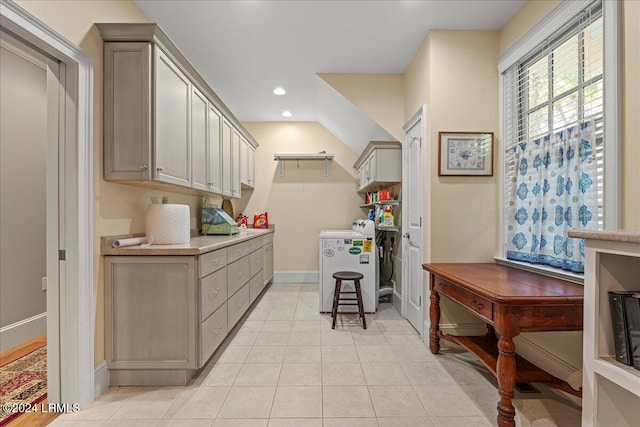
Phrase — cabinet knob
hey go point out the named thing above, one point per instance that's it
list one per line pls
(143, 167)
(159, 169)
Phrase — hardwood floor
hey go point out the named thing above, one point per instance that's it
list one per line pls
(30, 419)
(23, 349)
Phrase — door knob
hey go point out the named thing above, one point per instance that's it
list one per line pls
(406, 235)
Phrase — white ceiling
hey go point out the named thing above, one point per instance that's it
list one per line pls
(244, 49)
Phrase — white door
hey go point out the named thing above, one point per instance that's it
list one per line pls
(412, 223)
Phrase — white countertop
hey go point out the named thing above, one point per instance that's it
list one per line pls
(197, 245)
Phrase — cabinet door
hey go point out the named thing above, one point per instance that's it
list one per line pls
(199, 131)
(244, 161)
(226, 158)
(250, 166)
(215, 151)
(127, 111)
(246, 164)
(235, 164)
(150, 312)
(373, 171)
(268, 262)
(172, 149)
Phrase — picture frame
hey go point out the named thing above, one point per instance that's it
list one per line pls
(465, 154)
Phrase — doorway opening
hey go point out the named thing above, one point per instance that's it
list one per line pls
(68, 209)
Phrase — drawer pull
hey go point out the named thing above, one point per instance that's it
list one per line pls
(477, 305)
(215, 293)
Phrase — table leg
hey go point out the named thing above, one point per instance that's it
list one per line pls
(506, 373)
(434, 317)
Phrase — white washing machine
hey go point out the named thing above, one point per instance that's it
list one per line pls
(349, 250)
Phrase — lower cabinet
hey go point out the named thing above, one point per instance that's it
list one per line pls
(166, 315)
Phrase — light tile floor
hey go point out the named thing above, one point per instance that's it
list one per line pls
(285, 367)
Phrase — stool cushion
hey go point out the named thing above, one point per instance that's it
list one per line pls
(347, 275)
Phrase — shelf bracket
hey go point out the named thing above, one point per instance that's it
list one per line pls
(325, 171)
(280, 167)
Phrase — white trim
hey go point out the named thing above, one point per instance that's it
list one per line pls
(612, 115)
(548, 361)
(24, 330)
(74, 322)
(296, 277)
(460, 329)
(101, 375)
(545, 270)
(538, 33)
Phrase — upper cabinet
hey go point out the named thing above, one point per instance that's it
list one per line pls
(246, 164)
(163, 124)
(227, 132)
(379, 165)
(235, 163)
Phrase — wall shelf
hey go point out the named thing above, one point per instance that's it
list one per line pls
(380, 202)
(280, 158)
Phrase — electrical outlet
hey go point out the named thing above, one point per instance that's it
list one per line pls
(44, 284)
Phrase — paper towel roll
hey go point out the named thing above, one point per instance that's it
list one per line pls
(168, 224)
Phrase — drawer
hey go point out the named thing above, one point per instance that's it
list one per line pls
(212, 261)
(267, 238)
(255, 244)
(213, 292)
(256, 285)
(238, 251)
(470, 300)
(237, 305)
(212, 332)
(238, 273)
(256, 261)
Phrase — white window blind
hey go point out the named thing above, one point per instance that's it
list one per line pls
(557, 87)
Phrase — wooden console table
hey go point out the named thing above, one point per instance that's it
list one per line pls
(511, 301)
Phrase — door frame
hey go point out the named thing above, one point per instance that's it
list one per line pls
(419, 116)
(70, 320)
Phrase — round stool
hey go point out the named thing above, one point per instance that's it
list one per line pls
(347, 275)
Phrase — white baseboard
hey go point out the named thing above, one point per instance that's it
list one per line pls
(20, 332)
(548, 361)
(295, 277)
(101, 379)
(397, 301)
(524, 347)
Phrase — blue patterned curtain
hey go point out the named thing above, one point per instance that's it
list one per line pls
(555, 190)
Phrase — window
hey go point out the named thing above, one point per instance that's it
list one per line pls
(554, 137)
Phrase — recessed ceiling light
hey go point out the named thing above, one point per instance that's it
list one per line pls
(286, 113)
(279, 91)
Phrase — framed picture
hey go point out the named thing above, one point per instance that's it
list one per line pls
(465, 154)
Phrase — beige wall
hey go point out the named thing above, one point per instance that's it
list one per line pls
(528, 16)
(380, 96)
(303, 201)
(455, 74)
(118, 209)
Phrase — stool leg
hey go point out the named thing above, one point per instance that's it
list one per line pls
(335, 289)
(336, 297)
(360, 303)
